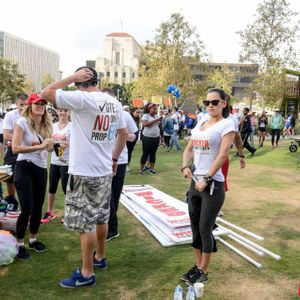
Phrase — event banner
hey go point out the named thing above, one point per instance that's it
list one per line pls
(168, 210)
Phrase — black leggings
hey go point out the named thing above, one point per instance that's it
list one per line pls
(56, 173)
(130, 146)
(203, 211)
(150, 146)
(277, 133)
(167, 140)
(116, 189)
(30, 182)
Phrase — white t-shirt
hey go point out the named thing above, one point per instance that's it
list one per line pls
(1, 126)
(38, 157)
(132, 128)
(176, 118)
(153, 130)
(96, 116)
(206, 146)
(231, 117)
(10, 119)
(61, 135)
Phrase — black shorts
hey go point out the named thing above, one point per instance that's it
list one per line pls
(1, 138)
(262, 129)
(58, 173)
(10, 159)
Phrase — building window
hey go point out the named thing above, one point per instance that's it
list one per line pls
(132, 75)
(116, 74)
(246, 79)
(124, 74)
(117, 58)
(107, 74)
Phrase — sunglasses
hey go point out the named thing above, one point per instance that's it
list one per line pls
(213, 102)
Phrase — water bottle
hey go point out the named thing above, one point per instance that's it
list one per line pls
(178, 293)
(190, 294)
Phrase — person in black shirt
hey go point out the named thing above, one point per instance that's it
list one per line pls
(245, 129)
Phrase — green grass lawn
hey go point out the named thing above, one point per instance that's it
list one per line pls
(264, 198)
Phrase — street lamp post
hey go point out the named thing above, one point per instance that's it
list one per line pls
(118, 93)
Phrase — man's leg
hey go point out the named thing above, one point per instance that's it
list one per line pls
(88, 241)
(101, 231)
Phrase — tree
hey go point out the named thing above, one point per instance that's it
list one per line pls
(166, 60)
(123, 92)
(270, 40)
(222, 78)
(271, 86)
(29, 87)
(12, 82)
(47, 79)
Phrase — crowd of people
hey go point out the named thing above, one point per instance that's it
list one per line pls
(91, 145)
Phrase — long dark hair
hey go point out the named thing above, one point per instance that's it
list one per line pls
(225, 97)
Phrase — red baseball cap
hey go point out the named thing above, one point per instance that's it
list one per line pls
(34, 98)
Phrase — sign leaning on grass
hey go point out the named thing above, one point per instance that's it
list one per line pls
(167, 219)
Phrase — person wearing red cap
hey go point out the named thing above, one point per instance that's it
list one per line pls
(31, 140)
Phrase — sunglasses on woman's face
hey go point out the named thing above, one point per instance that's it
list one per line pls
(213, 102)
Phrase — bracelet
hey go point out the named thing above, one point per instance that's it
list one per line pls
(114, 160)
(183, 168)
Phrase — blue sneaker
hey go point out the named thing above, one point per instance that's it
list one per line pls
(77, 280)
(99, 264)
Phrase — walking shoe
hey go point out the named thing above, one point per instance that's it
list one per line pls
(23, 254)
(77, 280)
(49, 215)
(152, 171)
(112, 235)
(197, 276)
(37, 246)
(253, 152)
(141, 173)
(146, 169)
(189, 273)
(99, 264)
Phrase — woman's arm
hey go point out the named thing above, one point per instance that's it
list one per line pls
(226, 143)
(188, 154)
(149, 123)
(17, 142)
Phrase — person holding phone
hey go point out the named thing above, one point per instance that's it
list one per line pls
(59, 160)
(31, 141)
(151, 137)
(208, 149)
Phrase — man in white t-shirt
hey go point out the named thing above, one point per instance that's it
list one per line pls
(10, 158)
(97, 138)
(118, 179)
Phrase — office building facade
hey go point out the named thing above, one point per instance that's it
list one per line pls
(33, 61)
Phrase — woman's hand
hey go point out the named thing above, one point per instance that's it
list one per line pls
(187, 173)
(200, 186)
(47, 144)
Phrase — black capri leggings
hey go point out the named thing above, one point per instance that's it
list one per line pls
(30, 182)
(203, 211)
(130, 146)
(56, 173)
(150, 146)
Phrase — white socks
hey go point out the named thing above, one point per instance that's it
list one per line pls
(32, 240)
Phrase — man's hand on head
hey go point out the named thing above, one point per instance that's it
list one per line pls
(83, 75)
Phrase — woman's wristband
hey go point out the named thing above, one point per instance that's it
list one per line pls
(183, 168)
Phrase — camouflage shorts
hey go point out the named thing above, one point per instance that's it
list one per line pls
(87, 202)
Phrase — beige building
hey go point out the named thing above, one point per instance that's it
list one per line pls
(120, 59)
(33, 61)
(244, 75)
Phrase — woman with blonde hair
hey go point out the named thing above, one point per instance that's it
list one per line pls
(31, 141)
